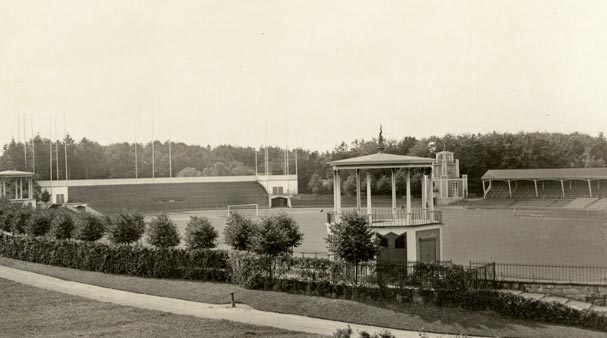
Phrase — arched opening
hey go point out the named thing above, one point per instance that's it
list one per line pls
(280, 202)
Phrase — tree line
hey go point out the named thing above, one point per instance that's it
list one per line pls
(477, 153)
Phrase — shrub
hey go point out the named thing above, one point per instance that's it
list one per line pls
(276, 235)
(39, 223)
(89, 227)
(45, 196)
(19, 221)
(162, 232)
(140, 261)
(239, 232)
(62, 226)
(200, 233)
(126, 227)
(7, 213)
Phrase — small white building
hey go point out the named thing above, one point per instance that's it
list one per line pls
(407, 234)
(449, 186)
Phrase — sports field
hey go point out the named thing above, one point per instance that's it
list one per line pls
(528, 237)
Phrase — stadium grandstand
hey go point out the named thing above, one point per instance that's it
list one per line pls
(576, 188)
(179, 193)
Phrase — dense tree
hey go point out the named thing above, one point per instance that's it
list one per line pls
(62, 226)
(162, 232)
(200, 233)
(352, 240)
(126, 227)
(239, 231)
(89, 227)
(276, 235)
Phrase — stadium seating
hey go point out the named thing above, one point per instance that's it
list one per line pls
(169, 196)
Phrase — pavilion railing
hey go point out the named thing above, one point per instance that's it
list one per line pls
(382, 217)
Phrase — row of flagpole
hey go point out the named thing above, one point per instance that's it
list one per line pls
(21, 128)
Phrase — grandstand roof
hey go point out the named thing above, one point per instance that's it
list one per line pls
(538, 174)
(15, 173)
(382, 160)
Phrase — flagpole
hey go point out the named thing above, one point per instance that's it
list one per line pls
(56, 151)
(136, 168)
(33, 145)
(65, 146)
(153, 164)
(50, 152)
(24, 141)
(170, 154)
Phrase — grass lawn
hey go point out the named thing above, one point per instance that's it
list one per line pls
(31, 312)
(411, 317)
(558, 237)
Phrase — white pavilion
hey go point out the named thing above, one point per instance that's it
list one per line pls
(12, 186)
(407, 234)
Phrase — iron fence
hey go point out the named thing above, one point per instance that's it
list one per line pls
(538, 273)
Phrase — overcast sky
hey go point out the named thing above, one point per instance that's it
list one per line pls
(307, 73)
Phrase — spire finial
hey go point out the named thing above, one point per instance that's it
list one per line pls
(380, 146)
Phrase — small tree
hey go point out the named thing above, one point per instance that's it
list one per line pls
(126, 227)
(162, 232)
(352, 240)
(315, 184)
(239, 231)
(276, 235)
(39, 223)
(89, 227)
(45, 196)
(200, 233)
(21, 219)
(8, 213)
(62, 226)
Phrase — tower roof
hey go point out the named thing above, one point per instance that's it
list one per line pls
(382, 160)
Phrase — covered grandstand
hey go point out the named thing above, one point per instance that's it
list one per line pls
(567, 187)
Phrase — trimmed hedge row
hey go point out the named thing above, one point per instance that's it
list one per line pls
(502, 303)
(211, 265)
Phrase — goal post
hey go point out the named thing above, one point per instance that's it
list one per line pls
(246, 209)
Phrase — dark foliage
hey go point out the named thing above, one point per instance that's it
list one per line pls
(126, 227)
(39, 224)
(62, 226)
(200, 233)
(89, 227)
(239, 232)
(162, 232)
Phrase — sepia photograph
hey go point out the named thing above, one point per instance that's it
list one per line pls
(303, 169)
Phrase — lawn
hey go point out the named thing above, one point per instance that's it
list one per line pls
(412, 317)
(30, 312)
(557, 237)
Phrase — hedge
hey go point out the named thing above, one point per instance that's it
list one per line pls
(211, 265)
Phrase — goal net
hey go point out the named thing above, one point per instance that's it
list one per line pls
(244, 209)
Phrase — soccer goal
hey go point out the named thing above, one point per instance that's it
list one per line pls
(244, 209)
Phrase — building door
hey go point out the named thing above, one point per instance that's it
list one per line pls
(60, 199)
(280, 202)
(427, 250)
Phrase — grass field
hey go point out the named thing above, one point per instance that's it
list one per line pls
(30, 312)
(529, 237)
(406, 316)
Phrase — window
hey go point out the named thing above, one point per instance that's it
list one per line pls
(60, 199)
(455, 189)
(401, 242)
(383, 241)
(277, 190)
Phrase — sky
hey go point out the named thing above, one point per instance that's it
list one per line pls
(300, 73)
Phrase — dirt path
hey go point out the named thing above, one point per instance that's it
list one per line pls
(241, 313)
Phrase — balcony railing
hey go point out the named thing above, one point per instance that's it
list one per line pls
(387, 217)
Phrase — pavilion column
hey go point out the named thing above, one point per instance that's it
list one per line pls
(484, 190)
(535, 184)
(335, 193)
(358, 199)
(431, 194)
(393, 192)
(21, 188)
(408, 194)
(16, 189)
(369, 210)
(424, 193)
(509, 189)
(563, 187)
(338, 192)
(30, 189)
(589, 188)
